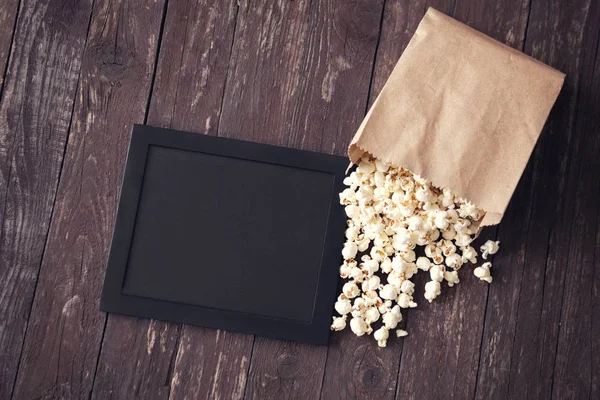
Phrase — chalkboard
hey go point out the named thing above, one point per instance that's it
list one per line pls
(227, 234)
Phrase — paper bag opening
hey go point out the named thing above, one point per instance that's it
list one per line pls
(461, 110)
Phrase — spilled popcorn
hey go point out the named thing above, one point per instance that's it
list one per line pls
(391, 213)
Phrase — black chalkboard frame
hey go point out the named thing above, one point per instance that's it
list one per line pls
(113, 298)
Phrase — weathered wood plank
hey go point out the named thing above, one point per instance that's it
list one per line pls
(577, 357)
(440, 356)
(211, 364)
(310, 51)
(8, 15)
(521, 328)
(65, 328)
(139, 356)
(35, 111)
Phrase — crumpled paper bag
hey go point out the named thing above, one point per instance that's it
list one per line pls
(461, 110)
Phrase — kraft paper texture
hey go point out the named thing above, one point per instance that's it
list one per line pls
(462, 110)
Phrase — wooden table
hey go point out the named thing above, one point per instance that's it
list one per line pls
(78, 74)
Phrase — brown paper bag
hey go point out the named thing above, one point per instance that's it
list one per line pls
(462, 110)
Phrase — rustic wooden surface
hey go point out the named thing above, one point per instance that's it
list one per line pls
(75, 76)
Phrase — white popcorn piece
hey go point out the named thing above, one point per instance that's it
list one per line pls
(356, 274)
(392, 318)
(352, 233)
(381, 335)
(339, 323)
(454, 261)
(389, 250)
(483, 272)
(449, 233)
(432, 290)
(440, 220)
(358, 326)
(451, 277)
(346, 268)
(401, 333)
(386, 265)
(362, 243)
(381, 166)
(348, 196)
(371, 283)
(399, 265)
(469, 254)
(369, 266)
(407, 287)
(408, 255)
(349, 251)
(371, 315)
(404, 300)
(424, 263)
(352, 211)
(462, 239)
(366, 166)
(388, 292)
(490, 247)
(350, 290)
(436, 273)
(343, 307)
(378, 254)
(395, 279)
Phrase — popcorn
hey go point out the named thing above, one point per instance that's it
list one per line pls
(401, 333)
(362, 243)
(432, 290)
(388, 292)
(407, 287)
(372, 283)
(381, 335)
(392, 318)
(343, 307)
(358, 326)
(483, 272)
(469, 254)
(385, 266)
(400, 224)
(451, 278)
(489, 248)
(349, 251)
(371, 315)
(352, 233)
(454, 261)
(423, 263)
(352, 211)
(436, 273)
(350, 290)
(339, 323)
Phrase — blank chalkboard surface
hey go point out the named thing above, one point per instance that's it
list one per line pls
(227, 234)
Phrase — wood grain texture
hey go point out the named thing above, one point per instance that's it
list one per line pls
(577, 357)
(149, 359)
(136, 359)
(35, 111)
(65, 329)
(8, 15)
(521, 327)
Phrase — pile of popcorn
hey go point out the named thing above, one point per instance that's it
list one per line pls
(391, 213)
